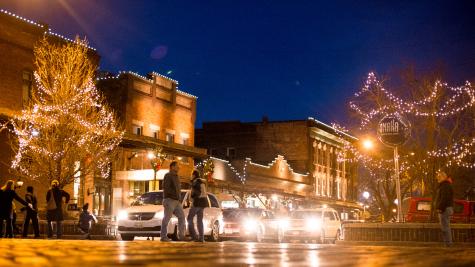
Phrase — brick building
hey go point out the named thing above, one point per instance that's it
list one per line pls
(155, 114)
(18, 37)
(305, 150)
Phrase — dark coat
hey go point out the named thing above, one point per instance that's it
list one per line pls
(198, 193)
(445, 196)
(6, 206)
(58, 194)
(30, 198)
(171, 186)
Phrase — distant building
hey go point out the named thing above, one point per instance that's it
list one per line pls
(155, 114)
(295, 158)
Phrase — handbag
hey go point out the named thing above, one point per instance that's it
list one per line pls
(51, 205)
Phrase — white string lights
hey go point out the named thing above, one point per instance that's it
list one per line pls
(450, 102)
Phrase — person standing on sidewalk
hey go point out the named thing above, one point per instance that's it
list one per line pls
(444, 205)
(7, 195)
(54, 212)
(172, 203)
(31, 214)
(199, 203)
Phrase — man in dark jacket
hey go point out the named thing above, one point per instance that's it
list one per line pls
(172, 203)
(444, 205)
(85, 220)
(31, 214)
(199, 203)
(54, 212)
(7, 195)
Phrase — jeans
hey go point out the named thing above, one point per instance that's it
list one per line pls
(198, 211)
(9, 227)
(444, 219)
(172, 206)
(59, 229)
(33, 216)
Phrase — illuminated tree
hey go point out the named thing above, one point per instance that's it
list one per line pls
(67, 129)
(442, 136)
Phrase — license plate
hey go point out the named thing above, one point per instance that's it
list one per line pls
(228, 230)
(138, 225)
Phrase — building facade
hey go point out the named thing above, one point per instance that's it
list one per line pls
(306, 151)
(18, 36)
(157, 117)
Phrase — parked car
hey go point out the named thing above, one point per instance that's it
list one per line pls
(144, 217)
(321, 224)
(418, 209)
(251, 224)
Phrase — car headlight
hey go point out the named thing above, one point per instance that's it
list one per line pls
(158, 215)
(313, 225)
(123, 214)
(284, 224)
(250, 225)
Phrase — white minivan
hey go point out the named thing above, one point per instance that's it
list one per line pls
(144, 217)
(321, 224)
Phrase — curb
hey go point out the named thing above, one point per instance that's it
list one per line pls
(401, 243)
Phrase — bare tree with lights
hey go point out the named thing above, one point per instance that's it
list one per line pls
(67, 129)
(442, 136)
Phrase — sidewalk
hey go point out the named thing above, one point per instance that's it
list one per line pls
(402, 244)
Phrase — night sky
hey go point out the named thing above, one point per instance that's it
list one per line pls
(283, 59)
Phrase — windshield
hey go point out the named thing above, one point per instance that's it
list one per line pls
(233, 214)
(152, 198)
(303, 214)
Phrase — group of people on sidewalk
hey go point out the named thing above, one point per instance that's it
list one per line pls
(172, 205)
(54, 211)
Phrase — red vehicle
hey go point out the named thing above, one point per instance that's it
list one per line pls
(417, 209)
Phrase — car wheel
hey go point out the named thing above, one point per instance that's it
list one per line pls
(321, 240)
(337, 237)
(174, 236)
(127, 237)
(259, 234)
(215, 232)
(280, 236)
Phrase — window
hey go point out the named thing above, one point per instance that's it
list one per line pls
(186, 141)
(156, 134)
(137, 129)
(170, 137)
(27, 86)
(336, 215)
(231, 152)
(329, 216)
(214, 202)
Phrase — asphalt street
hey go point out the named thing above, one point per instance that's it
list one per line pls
(30, 252)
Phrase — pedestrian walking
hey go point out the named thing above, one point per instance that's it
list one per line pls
(7, 195)
(54, 208)
(31, 214)
(85, 221)
(199, 203)
(172, 203)
(444, 205)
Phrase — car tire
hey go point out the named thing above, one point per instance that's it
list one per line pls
(321, 240)
(259, 236)
(280, 237)
(337, 237)
(214, 237)
(127, 237)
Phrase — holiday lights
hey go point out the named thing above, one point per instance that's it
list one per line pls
(66, 122)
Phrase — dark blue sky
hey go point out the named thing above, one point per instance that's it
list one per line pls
(284, 59)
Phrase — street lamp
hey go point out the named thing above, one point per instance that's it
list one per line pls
(368, 144)
(366, 195)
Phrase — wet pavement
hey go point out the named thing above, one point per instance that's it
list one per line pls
(70, 253)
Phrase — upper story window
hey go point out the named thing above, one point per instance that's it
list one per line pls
(137, 129)
(156, 134)
(27, 87)
(185, 139)
(231, 152)
(155, 130)
(170, 137)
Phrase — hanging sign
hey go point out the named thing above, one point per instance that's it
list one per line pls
(393, 130)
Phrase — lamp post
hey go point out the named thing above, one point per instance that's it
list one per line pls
(365, 196)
